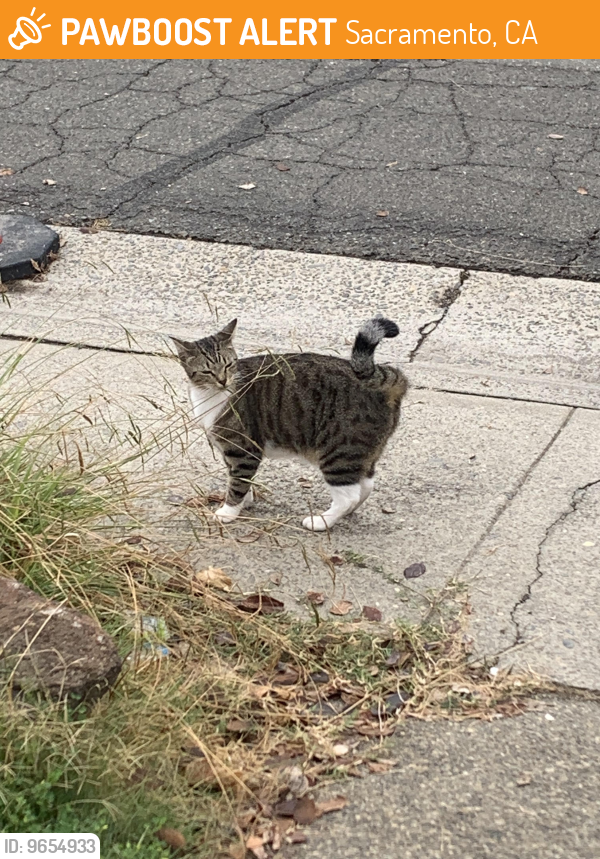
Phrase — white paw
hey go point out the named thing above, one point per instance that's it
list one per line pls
(227, 513)
(315, 523)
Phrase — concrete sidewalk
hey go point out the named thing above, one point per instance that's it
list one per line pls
(492, 479)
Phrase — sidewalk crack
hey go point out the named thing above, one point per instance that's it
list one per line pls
(451, 294)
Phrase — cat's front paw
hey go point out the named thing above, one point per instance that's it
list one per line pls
(315, 523)
(227, 513)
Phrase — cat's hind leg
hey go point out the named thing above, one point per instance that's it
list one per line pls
(242, 465)
(344, 499)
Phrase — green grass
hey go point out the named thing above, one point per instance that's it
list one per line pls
(161, 747)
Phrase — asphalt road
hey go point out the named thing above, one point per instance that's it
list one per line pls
(492, 165)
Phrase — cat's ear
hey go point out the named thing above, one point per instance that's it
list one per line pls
(227, 332)
(183, 347)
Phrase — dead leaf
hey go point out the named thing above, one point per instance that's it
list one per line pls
(6, 171)
(259, 691)
(388, 509)
(35, 265)
(305, 811)
(315, 597)
(212, 577)
(336, 560)
(341, 608)
(250, 537)
(239, 726)
(371, 613)
(215, 497)
(283, 167)
(248, 186)
(261, 603)
(382, 766)
(48, 182)
(198, 771)
(414, 571)
(336, 803)
(582, 191)
(297, 781)
(374, 729)
(287, 676)
(255, 845)
(172, 837)
(556, 136)
(237, 851)
(297, 837)
(383, 213)
(286, 808)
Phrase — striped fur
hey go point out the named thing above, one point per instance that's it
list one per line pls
(335, 413)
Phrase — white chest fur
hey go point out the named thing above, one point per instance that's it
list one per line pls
(208, 403)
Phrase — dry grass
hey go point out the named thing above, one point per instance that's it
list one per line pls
(209, 737)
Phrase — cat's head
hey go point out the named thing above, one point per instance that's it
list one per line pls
(211, 360)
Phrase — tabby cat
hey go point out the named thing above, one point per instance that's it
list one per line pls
(336, 414)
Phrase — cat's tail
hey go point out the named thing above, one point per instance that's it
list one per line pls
(371, 333)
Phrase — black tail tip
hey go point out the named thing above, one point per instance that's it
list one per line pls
(390, 329)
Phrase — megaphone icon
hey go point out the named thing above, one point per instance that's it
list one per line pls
(26, 32)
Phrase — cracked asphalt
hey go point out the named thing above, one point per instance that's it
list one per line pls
(483, 165)
(494, 475)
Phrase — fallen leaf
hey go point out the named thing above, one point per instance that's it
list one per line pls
(198, 771)
(556, 136)
(255, 845)
(414, 571)
(305, 811)
(172, 837)
(261, 603)
(215, 497)
(392, 704)
(287, 676)
(336, 560)
(336, 803)
(239, 726)
(319, 677)
(582, 191)
(286, 808)
(383, 213)
(393, 659)
(237, 851)
(297, 781)
(374, 729)
(6, 171)
(315, 597)
(212, 577)
(259, 691)
(35, 265)
(371, 613)
(388, 509)
(341, 608)
(382, 766)
(297, 837)
(283, 167)
(248, 186)
(48, 182)
(340, 750)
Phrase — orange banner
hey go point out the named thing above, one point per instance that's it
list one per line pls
(341, 29)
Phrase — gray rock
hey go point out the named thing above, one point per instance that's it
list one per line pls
(25, 243)
(47, 647)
